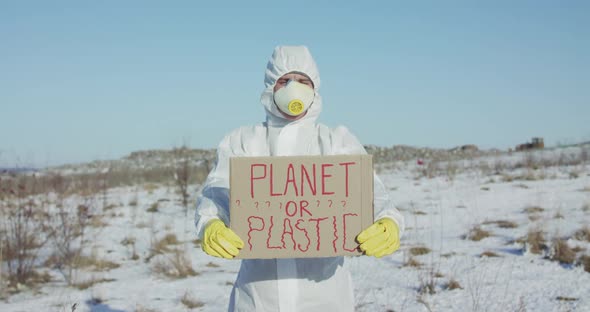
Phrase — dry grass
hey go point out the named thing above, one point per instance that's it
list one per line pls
(163, 245)
(419, 250)
(212, 265)
(521, 185)
(504, 224)
(191, 302)
(476, 233)
(562, 252)
(585, 262)
(97, 221)
(91, 282)
(489, 254)
(562, 298)
(535, 241)
(583, 234)
(175, 266)
(129, 240)
(412, 262)
(453, 284)
(558, 215)
(153, 207)
(95, 263)
(150, 187)
(533, 209)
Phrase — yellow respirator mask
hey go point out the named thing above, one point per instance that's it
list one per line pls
(294, 99)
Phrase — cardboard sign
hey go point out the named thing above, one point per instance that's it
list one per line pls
(299, 207)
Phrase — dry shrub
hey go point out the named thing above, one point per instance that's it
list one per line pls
(562, 252)
(476, 233)
(504, 224)
(583, 234)
(535, 241)
(419, 250)
(586, 207)
(175, 266)
(190, 301)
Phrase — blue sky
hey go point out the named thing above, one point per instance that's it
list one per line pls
(84, 80)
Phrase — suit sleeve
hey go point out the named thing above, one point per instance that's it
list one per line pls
(213, 202)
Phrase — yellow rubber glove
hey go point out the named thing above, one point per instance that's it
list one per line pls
(380, 239)
(220, 241)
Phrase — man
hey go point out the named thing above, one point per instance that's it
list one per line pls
(293, 104)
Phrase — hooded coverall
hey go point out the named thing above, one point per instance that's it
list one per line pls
(302, 284)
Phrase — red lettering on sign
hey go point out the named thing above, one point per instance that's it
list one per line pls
(272, 193)
(346, 164)
(324, 176)
(317, 229)
(312, 187)
(252, 178)
(306, 236)
(286, 222)
(344, 226)
(335, 233)
(302, 205)
(269, 236)
(251, 229)
(287, 208)
(291, 180)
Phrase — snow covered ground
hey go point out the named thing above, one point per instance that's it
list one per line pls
(442, 214)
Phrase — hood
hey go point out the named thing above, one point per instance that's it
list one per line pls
(286, 59)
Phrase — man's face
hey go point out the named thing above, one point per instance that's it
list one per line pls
(282, 82)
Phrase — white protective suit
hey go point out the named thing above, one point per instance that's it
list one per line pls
(303, 284)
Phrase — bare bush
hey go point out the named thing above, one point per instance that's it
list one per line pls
(182, 173)
(24, 228)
